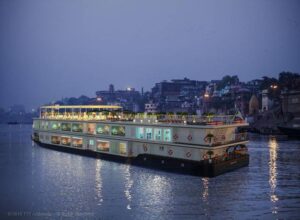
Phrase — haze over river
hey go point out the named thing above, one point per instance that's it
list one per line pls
(41, 183)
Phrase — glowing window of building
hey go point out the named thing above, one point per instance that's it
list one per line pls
(118, 130)
(77, 142)
(102, 129)
(77, 127)
(91, 128)
(102, 145)
(66, 141)
(148, 133)
(65, 126)
(123, 148)
(167, 134)
(140, 132)
(55, 139)
(157, 134)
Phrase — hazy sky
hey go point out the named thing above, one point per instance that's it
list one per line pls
(54, 49)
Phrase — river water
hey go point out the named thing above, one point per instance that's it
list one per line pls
(42, 183)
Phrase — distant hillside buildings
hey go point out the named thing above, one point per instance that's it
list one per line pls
(216, 96)
(291, 102)
(129, 99)
(178, 95)
(223, 96)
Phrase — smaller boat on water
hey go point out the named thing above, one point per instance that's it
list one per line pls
(12, 123)
(291, 131)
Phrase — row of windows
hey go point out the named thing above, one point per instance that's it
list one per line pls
(100, 145)
(67, 141)
(157, 134)
(108, 146)
(78, 127)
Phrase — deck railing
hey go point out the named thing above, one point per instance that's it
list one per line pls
(145, 118)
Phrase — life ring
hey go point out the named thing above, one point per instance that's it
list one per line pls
(190, 137)
(170, 152)
(145, 147)
(175, 136)
(188, 154)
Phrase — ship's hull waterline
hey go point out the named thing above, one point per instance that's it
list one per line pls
(204, 168)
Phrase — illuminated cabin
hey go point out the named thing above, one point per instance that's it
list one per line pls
(205, 146)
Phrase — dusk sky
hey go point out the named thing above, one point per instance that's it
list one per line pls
(54, 49)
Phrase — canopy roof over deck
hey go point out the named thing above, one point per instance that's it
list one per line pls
(56, 107)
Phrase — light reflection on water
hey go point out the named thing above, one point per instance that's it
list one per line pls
(205, 194)
(128, 184)
(57, 181)
(98, 182)
(273, 146)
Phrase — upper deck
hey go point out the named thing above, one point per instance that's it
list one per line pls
(112, 114)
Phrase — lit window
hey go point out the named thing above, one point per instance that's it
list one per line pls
(102, 145)
(167, 134)
(149, 133)
(91, 128)
(36, 124)
(140, 132)
(157, 134)
(55, 139)
(66, 141)
(55, 125)
(65, 126)
(77, 142)
(44, 125)
(118, 130)
(123, 148)
(102, 129)
(77, 127)
(91, 142)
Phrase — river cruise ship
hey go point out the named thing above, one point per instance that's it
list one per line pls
(197, 145)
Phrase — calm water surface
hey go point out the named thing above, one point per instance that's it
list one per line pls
(42, 183)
